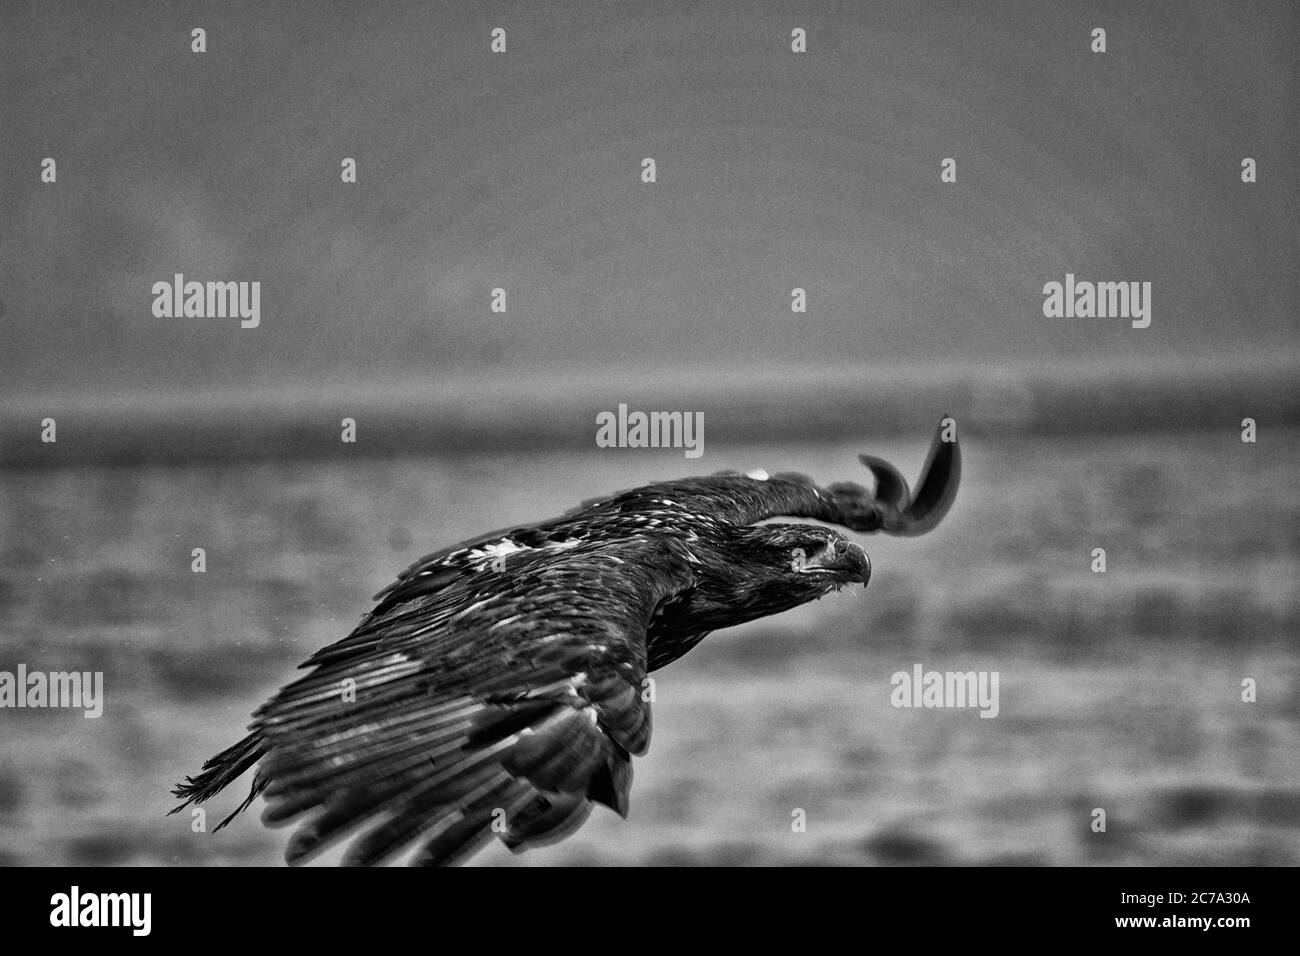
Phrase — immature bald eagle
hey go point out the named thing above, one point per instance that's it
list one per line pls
(497, 686)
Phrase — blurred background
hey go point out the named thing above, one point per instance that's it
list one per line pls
(521, 171)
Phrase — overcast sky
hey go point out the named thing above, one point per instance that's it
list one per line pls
(522, 170)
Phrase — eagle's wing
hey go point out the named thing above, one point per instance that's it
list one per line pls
(733, 497)
(502, 705)
(465, 559)
(746, 499)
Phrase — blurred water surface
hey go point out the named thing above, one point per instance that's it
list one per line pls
(1119, 690)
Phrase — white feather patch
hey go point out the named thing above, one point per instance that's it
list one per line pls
(497, 549)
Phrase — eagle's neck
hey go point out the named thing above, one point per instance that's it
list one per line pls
(680, 625)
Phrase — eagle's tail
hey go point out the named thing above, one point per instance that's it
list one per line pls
(222, 770)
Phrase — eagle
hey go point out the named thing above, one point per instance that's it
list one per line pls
(498, 687)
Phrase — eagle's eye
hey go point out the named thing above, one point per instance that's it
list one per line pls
(807, 554)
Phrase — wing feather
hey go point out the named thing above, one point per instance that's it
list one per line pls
(497, 705)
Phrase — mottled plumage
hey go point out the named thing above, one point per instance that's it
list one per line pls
(498, 686)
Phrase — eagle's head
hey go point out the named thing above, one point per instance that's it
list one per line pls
(753, 571)
(802, 560)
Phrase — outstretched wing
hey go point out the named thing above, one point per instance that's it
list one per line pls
(892, 508)
(505, 705)
(732, 497)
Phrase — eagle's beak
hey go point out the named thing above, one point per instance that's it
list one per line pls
(848, 560)
(859, 563)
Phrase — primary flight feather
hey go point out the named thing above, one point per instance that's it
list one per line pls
(497, 688)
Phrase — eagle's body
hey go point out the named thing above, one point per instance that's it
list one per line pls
(498, 687)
